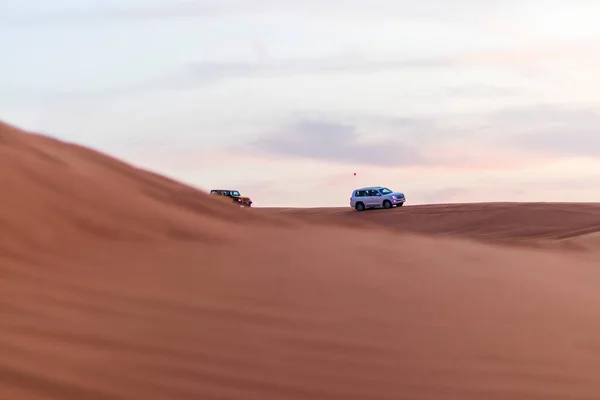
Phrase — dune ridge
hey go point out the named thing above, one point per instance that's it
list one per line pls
(55, 191)
(523, 221)
(118, 283)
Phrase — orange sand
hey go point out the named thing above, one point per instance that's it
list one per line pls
(117, 283)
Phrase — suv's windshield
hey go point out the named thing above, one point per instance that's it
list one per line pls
(385, 191)
(235, 193)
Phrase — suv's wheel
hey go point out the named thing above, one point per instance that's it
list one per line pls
(387, 204)
(360, 206)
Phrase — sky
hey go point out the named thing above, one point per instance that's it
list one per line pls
(445, 101)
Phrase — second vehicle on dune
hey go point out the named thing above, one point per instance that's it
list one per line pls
(376, 197)
(235, 196)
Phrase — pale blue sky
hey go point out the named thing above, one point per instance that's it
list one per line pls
(465, 100)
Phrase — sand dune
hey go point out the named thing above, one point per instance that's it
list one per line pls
(507, 222)
(120, 284)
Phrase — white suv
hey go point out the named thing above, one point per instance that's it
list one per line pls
(375, 197)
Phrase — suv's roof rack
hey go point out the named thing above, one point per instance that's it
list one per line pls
(370, 187)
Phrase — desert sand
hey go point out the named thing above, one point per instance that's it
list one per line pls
(117, 283)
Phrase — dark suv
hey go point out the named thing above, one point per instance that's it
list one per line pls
(235, 195)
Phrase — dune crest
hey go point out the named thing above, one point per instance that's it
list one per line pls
(118, 283)
(55, 192)
(493, 221)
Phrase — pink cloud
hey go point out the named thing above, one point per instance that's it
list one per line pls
(443, 159)
(495, 162)
(525, 58)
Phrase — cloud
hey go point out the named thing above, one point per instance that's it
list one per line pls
(555, 130)
(529, 61)
(208, 72)
(537, 53)
(428, 9)
(334, 142)
(485, 91)
(200, 74)
(506, 139)
(82, 15)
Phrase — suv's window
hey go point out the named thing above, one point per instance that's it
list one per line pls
(359, 193)
(385, 191)
(235, 193)
(373, 192)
